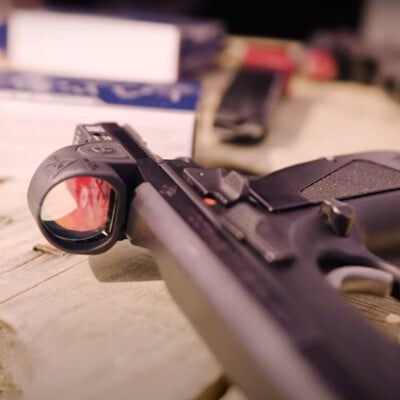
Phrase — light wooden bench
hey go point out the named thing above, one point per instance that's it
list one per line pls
(105, 327)
(99, 327)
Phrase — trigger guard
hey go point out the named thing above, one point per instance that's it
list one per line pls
(360, 279)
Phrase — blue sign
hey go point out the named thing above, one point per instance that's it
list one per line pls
(182, 95)
(3, 35)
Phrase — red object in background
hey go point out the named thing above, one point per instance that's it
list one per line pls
(275, 58)
(319, 64)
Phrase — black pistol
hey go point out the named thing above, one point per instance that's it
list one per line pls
(257, 264)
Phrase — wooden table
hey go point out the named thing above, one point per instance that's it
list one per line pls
(99, 327)
(105, 327)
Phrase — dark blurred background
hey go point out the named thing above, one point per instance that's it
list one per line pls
(280, 18)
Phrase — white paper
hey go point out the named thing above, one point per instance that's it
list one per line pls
(92, 46)
(30, 131)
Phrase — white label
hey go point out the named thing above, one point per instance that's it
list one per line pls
(92, 46)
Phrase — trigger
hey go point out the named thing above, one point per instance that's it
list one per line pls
(351, 279)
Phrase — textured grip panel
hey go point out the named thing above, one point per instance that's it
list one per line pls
(353, 179)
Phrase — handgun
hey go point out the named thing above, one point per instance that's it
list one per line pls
(257, 264)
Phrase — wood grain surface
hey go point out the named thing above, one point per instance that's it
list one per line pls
(105, 327)
(100, 327)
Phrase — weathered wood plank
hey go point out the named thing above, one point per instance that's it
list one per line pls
(105, 327)
(234, 393)
(101, 327)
